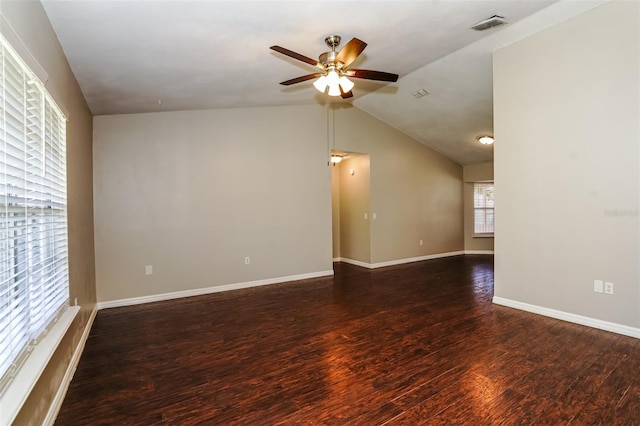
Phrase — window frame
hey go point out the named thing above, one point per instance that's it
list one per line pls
(485, 209)
(33, 127)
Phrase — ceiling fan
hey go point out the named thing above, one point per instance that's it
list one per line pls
(334, 67)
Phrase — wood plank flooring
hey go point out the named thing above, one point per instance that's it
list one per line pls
(404, 345)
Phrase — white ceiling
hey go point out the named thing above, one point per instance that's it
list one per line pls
(129, 55)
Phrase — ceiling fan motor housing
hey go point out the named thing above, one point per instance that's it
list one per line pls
(328, 59)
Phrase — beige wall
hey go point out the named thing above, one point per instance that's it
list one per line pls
(28, 20)
(194, 193)
(355, 202)
(416, 193)
(471, 174)
(567, 165)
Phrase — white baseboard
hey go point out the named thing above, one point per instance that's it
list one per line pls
(566, 316)
(56, 404)
(478, 252)
(208, 290)
(354, 262)
(399, 261)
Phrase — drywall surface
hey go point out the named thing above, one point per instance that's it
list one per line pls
(567, 160)
(194, 193)
(416, 193)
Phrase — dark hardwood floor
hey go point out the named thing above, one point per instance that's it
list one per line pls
(405, 345)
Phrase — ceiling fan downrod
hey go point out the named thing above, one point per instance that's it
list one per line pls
(328, 59)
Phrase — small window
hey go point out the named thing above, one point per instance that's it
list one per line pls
(483, 203)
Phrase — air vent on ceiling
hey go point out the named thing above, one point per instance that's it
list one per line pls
(491, 22)
(420, 93)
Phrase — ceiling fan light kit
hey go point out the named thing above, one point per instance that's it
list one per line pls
(345, 84)
(333, 78)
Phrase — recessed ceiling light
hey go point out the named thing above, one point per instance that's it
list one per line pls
(485, 140)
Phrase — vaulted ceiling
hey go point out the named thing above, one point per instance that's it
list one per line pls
(147, 56)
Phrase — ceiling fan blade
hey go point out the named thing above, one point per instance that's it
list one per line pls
(301, 79)
(294, 55)
(351, 51)
(372, 75)
(345, 95)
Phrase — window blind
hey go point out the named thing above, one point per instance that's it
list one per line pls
(483, 205)
(34, 273)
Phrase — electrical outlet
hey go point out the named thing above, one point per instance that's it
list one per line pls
(608, 287)
(366, 216)
(420, 242)
(247, 260)
(598, 286)
(148, 269)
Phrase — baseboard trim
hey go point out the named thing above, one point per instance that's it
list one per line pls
(354, 262)
(399, 261)
(58, 399)
(566, 316)
(208, 290)
(478, 252)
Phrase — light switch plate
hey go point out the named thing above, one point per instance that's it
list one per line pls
(598, 286)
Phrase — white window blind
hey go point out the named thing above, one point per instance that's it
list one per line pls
(483, 204)
(34, 277)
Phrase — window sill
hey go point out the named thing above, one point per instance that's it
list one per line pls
(483, 235)
(16, 393)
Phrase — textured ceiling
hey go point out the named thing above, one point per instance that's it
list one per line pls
(146, 56)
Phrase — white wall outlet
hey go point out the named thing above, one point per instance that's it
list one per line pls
(373, 216)
(598, 286)
(608, 287)
(247, 260)
(420, 242)
(366, 216)
(148, 269)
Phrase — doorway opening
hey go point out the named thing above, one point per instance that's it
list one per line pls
(350, 205)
